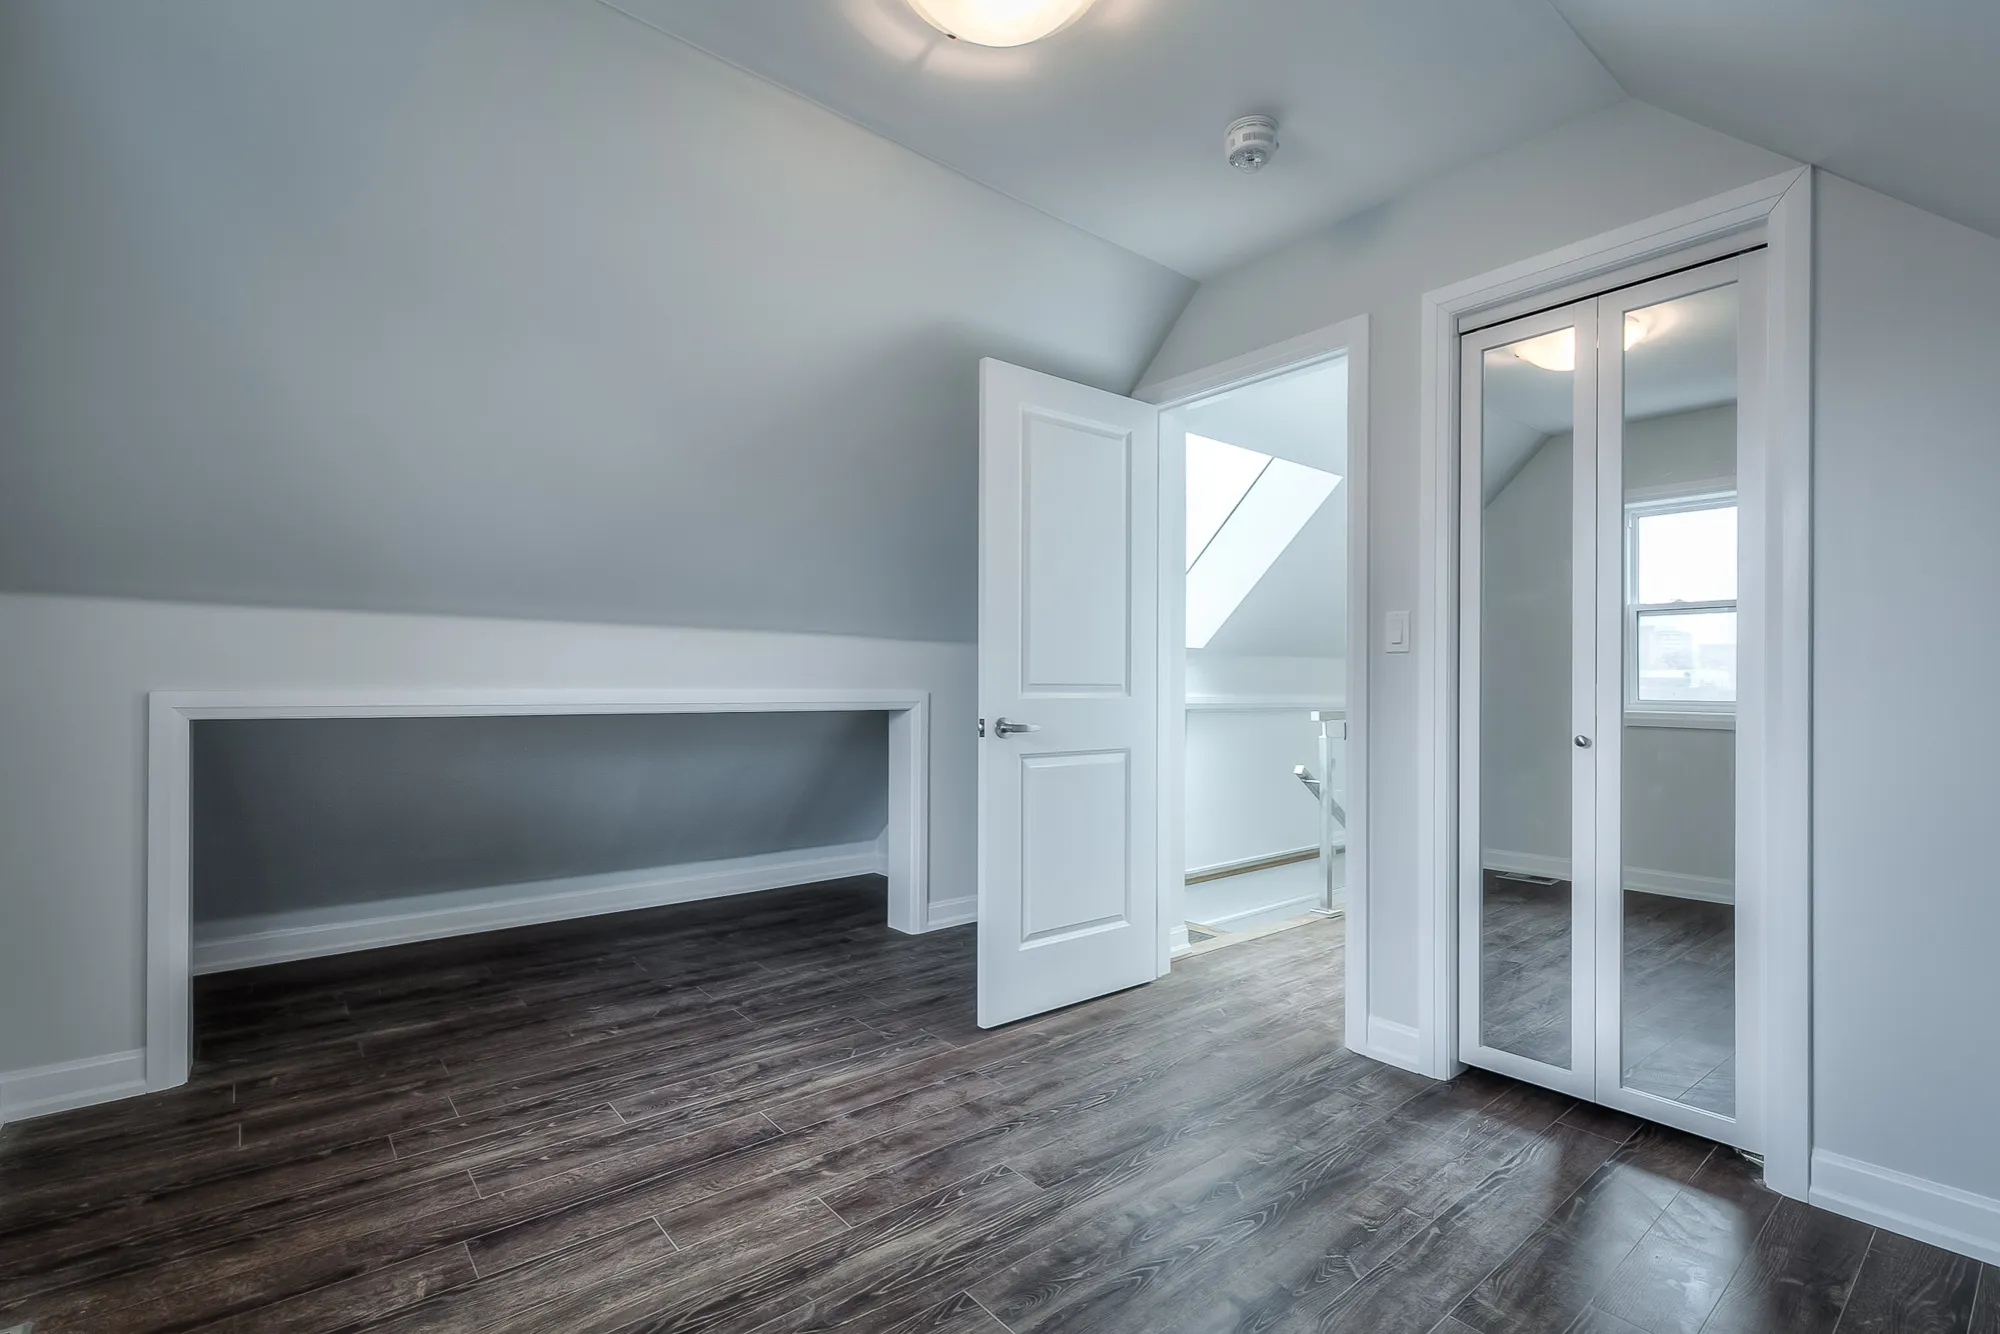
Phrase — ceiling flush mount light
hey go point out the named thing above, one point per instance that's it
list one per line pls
(1556, 350)
(1000, 22)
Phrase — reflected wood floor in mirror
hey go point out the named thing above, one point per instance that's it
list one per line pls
(1680, 987)
(772, 1113)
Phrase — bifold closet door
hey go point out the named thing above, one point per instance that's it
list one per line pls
(1527, 901)
(1671, 379)
(1599, 652)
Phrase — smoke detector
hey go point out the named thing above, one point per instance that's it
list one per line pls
(1250, 141)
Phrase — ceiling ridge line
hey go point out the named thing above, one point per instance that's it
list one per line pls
(887, 138)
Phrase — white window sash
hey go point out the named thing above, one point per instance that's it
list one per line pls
(1634, 610)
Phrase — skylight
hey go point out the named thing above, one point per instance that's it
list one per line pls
(1243, 510)
(1218, 476)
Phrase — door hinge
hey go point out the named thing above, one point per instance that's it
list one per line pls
(982, 727)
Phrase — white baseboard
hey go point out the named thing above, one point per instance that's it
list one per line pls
(1392, 1044)
(1302, 903)
(1641, 879)
(246, 942)
(70, 1084)
(1177, 939)
(952, 912)
(1525, 863)
(1677, 885)
(1942, 1215)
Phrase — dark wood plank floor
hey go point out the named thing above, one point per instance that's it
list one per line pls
(1680, 987)
(771, 1113)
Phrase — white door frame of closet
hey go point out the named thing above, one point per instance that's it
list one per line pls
(1774, 483)
(1579, 1077)
(1348, 339)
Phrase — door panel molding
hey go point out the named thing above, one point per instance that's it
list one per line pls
(1069, 504)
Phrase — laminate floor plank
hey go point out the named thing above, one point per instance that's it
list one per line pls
(1677, 1273)
(1986, 1306)
(1798, 1276)
(1908, 1287)
(1549, 1281)
(361, 1301)
(771, 1113)
(1421, 1281)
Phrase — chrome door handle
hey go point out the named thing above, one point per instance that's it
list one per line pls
(1004, 727)
(1582, 742)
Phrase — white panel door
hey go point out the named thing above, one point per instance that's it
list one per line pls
(1069, 686)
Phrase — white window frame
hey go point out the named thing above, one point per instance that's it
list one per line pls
(1668, 712)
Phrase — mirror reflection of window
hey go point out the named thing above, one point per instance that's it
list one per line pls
(1681, 601)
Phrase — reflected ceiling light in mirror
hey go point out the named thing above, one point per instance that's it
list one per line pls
(1552, 351)
(1000, 22)
(1556, 350)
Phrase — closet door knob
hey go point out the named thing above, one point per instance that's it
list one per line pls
(1582, 742)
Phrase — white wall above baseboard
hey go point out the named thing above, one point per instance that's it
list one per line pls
(70, 1084)
(247, 942)
(952, 912)
(1942, 1215)
(1679, 885)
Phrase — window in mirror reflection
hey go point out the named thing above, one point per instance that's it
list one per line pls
(1680, 563)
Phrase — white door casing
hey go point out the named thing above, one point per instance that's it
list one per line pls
(1068, 646)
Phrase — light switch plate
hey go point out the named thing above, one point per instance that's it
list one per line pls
(1396, 633)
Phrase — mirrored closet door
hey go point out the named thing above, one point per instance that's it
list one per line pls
(1598, 696)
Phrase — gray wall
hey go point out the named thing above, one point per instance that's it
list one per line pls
(500, 307)
(1906, 476)
(1526, 609)
(293, 813)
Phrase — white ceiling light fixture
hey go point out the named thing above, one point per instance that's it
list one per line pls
(1000, 22)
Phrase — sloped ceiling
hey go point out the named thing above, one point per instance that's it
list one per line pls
(1900, 95)
(1115, 124)
(503, 307)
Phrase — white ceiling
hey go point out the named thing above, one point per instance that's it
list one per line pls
(1115, 125)
(1301, 416)
(1900, 95)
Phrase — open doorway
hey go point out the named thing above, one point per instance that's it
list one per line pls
(1085, 675)
(1265, 716)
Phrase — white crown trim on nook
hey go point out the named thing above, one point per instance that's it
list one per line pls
(171, 714)
(249, 942)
